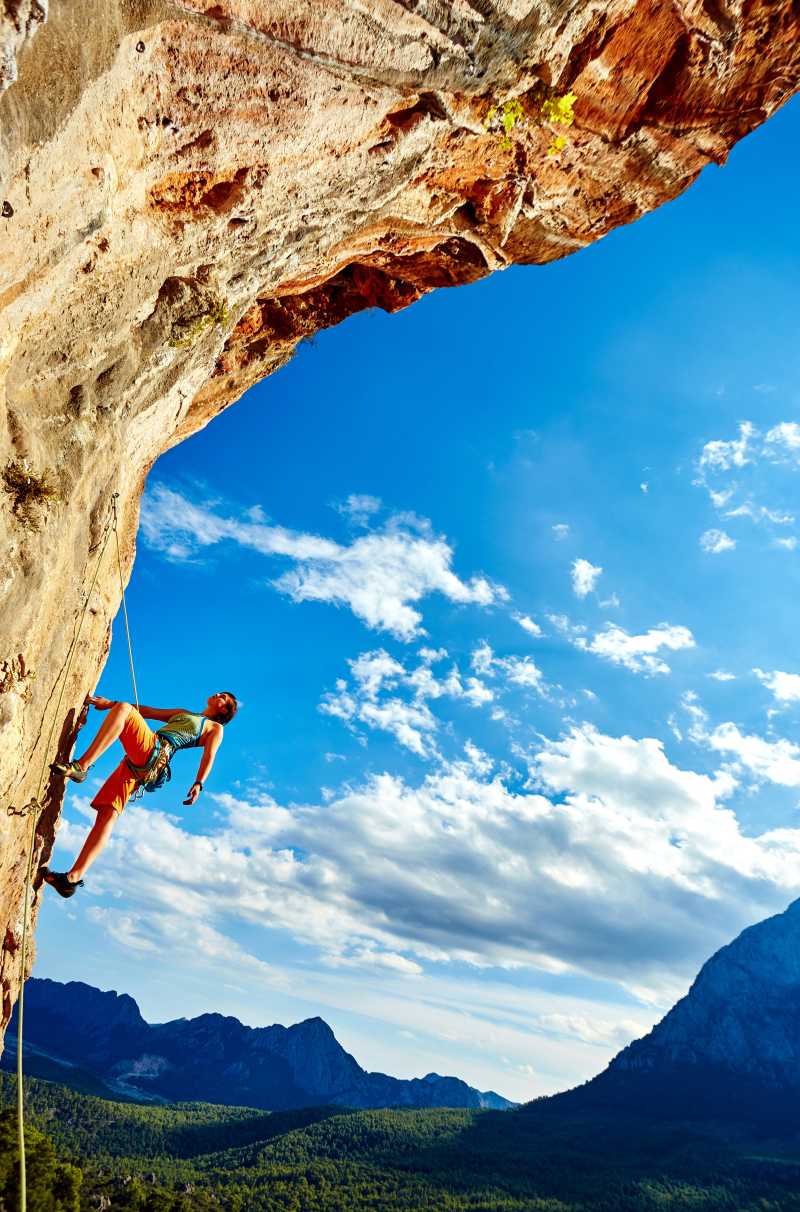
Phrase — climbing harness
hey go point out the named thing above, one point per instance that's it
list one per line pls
(156, 770)
(34, 807)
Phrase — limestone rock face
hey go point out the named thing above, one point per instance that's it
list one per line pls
(187, 189)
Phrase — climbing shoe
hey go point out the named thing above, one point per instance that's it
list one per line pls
(70, 770)
(61, 882)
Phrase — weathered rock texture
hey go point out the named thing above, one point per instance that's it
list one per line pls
(189, 189)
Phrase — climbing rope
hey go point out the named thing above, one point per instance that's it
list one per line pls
(34, 806)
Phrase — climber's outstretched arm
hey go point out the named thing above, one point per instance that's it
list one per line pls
(159, 713)
(211, 743)
(149, 713)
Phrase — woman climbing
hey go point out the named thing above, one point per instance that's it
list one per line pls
(146, 764)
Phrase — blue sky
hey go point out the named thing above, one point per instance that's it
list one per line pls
(493, 578)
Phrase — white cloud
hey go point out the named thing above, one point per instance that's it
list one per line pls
(482, 658)
(359, 508)
(784, 439)
(788, 544)
(560, 531)
(645, 487)
(520, 671)
(380, 576)
(378, 681)
(721, 675)
(584, 577)
(722, 456)
(624, 867)
(785, 687)
(639, 653)
(760, 513)
(773, 761)
(527, 624)
(716, 541)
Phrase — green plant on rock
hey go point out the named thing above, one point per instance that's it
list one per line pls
(503, 118)
(30, 493)
(189, 331)
(558, 112)
(555, 110)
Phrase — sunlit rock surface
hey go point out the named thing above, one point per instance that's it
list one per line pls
(189, 189)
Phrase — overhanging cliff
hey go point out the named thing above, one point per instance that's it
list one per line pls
(190, 189)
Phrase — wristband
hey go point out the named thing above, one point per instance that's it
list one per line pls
(197, 783)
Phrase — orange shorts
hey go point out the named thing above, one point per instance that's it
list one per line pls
(137, 741)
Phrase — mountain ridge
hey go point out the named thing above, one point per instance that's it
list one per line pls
(729, 1049)
(214, 1057)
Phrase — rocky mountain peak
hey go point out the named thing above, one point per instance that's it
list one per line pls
(731, 1046)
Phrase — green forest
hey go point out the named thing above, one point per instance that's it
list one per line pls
(196, 1156)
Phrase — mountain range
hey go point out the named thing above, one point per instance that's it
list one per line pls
(99, 1042)
(729, 1050)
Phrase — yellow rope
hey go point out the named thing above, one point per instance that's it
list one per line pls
(34, 807)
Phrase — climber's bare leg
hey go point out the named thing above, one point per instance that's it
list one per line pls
(109, 732)
(95, 842)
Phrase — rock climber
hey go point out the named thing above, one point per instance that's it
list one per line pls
(146, 764)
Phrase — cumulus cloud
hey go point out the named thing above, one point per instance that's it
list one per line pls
(373, 697)
(519, 671)
(785, 687)
(771, 761)
(639, 653)
(722, 455)
(716, 541)
(722, 675)
(620, 865)
(584, 577)
(783, 440)
(380, 576)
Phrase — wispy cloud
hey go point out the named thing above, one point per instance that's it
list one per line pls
(359, 508)
(381, 576)
(734, 471)
(527, 624)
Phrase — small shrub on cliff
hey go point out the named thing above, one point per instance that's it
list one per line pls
(553, 110)
(186, 333)
(503, 118)
(30, 493)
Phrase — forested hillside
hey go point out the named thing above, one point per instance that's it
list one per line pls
(191, 1157)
